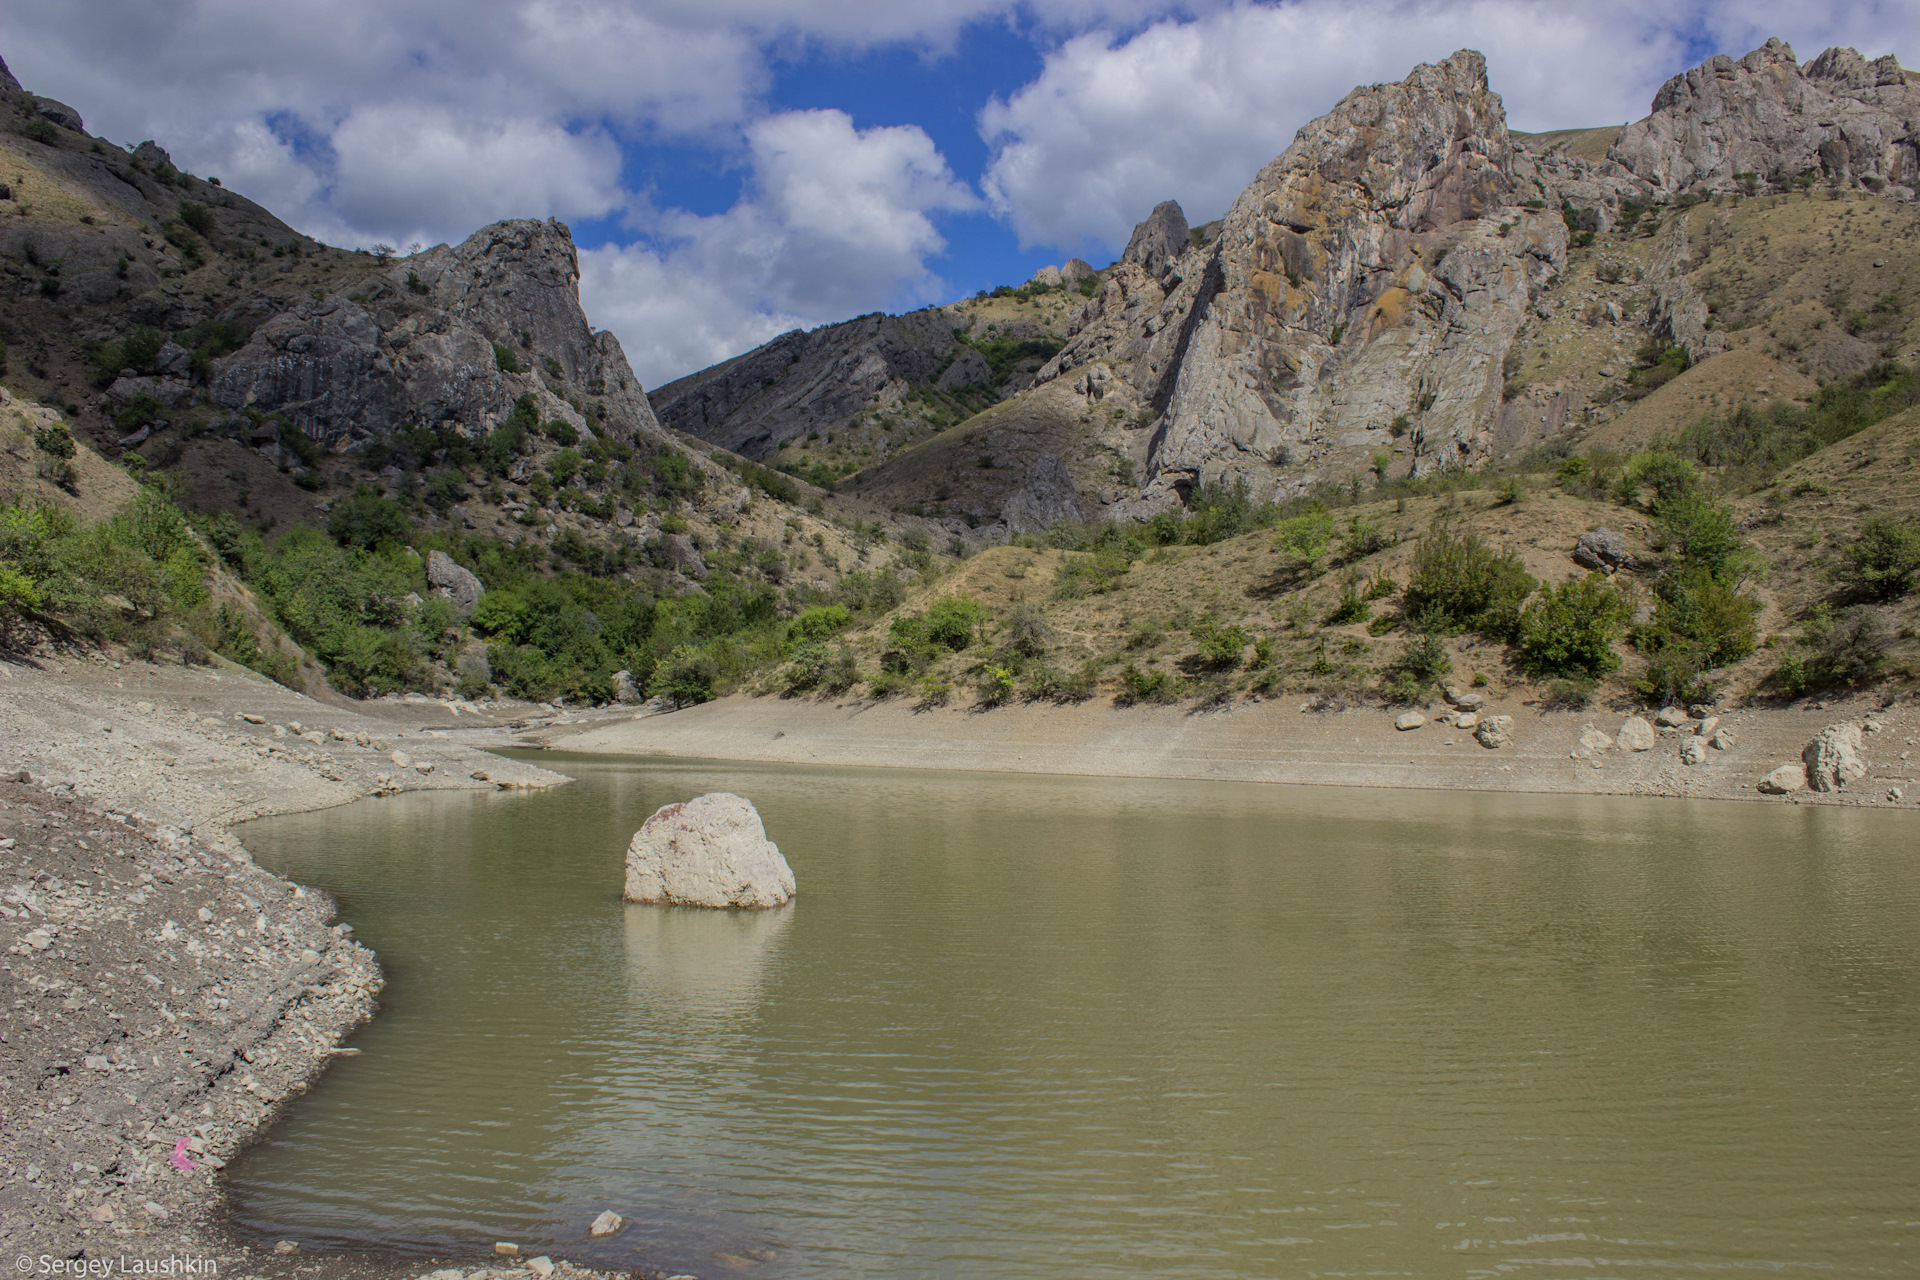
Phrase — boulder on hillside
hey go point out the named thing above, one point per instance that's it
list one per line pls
(453, 582)
(707, 852)
(1832, 759)
(1073, 271)
(1601, 549)
(1046, 276)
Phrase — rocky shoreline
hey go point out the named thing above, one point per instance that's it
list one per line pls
(165, 995)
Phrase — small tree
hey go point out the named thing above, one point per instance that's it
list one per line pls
(1884, 560)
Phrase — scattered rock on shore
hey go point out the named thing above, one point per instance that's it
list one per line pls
(1408, 720)
(1494, 732)
(1832, 759)
(1783, 780)
(1635, 735)
(707, 852)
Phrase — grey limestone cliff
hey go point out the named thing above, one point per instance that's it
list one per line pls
(1840, 118)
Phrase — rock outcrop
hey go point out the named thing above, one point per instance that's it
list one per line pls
(1159, 240)
(454, 582)
(815, 380)
(1730, 125)
(707, 852)
(1360, 295)
(1832, 759)
(456, 337)
(1047, 498)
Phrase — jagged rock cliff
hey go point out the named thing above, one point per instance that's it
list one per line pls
(1373, 274)
(1727, 125)
(418, 347)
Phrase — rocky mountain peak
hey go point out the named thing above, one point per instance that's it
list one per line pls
(1159, 239)
(1371, 275)
(1728, 123)
(7, 83)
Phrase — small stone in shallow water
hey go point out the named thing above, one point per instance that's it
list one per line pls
(608, 1223)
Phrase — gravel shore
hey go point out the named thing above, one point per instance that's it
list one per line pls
(164, 995)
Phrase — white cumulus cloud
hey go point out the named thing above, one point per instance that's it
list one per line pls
(835, 221)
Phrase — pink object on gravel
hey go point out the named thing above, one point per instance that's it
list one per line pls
(179, 1160)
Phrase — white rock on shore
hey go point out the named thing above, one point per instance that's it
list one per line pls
(1785, 779)
(1832, 759)
(711, 851)
(1635, 735)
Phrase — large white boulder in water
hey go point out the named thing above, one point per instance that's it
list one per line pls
(707, 852)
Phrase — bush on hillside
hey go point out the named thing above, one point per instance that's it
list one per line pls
(1835, 652)
(1459, 583)
(1570, 629)
(1884, 560)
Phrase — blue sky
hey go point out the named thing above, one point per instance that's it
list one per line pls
(734, 168)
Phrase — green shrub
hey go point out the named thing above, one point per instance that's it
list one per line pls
(1025, 631)
(561, 432)
(197, 217)
(1219, 647)
(367, 519)
(1883, 561)
(1567, 695)
(1304, 538)
(1571, 629)
(1137, 685)
(995, 684)
(504, 359)
(1669, 475)
(808, 667)
(1353, 605)
(820, 621)
(1364, 538)
(1697, 532)
(1425, 658)
(686, 677)
(1699, 623)
(54, 440)
(951, 622)
(1847, 651)
(1460, 584)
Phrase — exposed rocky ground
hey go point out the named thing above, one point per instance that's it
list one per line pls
(164, 994)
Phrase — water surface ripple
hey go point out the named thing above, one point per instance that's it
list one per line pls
(1028, 1026)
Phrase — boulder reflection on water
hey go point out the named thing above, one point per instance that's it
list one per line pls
(694, 965)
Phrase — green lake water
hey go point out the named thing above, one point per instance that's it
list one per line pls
(1036, 1026)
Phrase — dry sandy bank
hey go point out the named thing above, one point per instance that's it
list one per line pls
(1269, 741)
